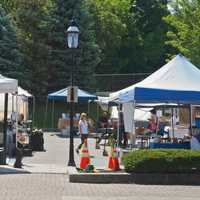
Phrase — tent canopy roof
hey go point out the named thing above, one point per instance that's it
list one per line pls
(61, 95)
(8, 85)
(178, 81)
(22, 92)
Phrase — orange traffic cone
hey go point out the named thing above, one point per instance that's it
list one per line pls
(113, 163)
(84, 156)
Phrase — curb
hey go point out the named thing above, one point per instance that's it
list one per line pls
(136, 178)
(167, 179)
(111, 177)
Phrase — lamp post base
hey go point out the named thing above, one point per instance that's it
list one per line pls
(71, 164)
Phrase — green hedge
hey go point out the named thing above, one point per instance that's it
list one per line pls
(162, 161)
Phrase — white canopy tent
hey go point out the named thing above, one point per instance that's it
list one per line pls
(19, 104)
(177, 82)
(8, 85)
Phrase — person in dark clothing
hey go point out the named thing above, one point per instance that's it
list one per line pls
(18, 150)
(103, 121)
(19, 143)
(123, 135)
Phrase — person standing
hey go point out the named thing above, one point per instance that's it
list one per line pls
(83, 129)
(103, 121)
(19, 140)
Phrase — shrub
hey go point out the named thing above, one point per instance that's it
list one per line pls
(162, 161)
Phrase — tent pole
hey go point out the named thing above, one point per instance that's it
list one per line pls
(33, 117)
(190, 113)
(45, 114)
(97, 112)
(17, 115)
(5, 127)
(88, 108)
(172, 114)
(133, 136)
(52, 116)
(27, 109)
(118, 124)
(12, 103)
(23, 109)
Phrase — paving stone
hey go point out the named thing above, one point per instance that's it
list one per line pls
(57, 187)
(48, 182)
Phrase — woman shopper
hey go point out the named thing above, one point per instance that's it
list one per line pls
(83, 130)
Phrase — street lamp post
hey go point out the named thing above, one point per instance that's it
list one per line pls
(72, 42)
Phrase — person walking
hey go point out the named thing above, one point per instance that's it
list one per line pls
(83, 130)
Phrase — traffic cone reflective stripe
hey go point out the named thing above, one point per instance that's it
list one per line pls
(113, 163)
(84, 157)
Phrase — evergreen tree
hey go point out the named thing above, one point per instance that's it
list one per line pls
(86, 56)
(8, 5)
(10, 56)
(31, 17)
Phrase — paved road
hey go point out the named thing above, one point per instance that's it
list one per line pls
(48, 181)
(57, 187)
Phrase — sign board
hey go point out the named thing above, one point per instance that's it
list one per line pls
(72, 94)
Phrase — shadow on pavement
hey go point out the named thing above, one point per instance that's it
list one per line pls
(10, 170)
(65, 136)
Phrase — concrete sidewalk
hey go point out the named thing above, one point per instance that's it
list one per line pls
(55, 157)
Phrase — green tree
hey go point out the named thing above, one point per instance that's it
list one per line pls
(31, 17)
(86, 56)
(131, 34)
(8, 5)
(147, 36)
(10, 56)
(111, 17)
(185, 23)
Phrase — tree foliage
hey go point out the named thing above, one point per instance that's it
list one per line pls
(110, 18)
(185, 23)
(10, 56)
(8, 5)
(116, 36)
(61, 61)
(131, 34)
(148, 35)
(31, 19)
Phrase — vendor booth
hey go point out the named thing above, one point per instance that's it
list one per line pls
(22, 103)
(7, 85)
(177, 82)
(61, 95)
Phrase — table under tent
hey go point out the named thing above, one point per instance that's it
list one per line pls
(176, 84)
(61, 96)
(114, 127)
(7, 85)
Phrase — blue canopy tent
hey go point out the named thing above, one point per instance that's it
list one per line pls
(177, 82)
(61, 95)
